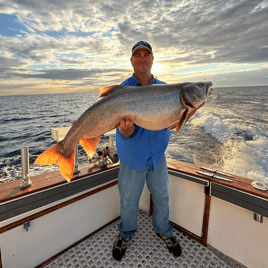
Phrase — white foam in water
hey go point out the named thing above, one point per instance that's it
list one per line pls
(11, 172)
(214, 124)
(247, 158)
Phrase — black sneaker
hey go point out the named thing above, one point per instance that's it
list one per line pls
(120, 247)
(172, 244)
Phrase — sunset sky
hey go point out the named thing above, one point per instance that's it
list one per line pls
(78, 46)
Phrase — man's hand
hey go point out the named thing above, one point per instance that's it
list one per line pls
(126, 127)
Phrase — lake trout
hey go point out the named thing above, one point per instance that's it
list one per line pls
(154, 107)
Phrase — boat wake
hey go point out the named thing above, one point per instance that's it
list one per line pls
(245, 144)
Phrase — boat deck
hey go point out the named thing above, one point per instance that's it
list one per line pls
(145, 249)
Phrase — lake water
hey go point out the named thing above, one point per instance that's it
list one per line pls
(229, 133)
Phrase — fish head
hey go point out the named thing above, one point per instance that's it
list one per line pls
(193, 94)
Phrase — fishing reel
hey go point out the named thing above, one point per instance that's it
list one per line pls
(104, 156)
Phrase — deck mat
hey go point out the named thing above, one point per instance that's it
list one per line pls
(144, 250)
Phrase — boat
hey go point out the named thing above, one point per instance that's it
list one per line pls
(220, 219)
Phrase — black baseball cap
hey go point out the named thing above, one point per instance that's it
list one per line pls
(142, 44)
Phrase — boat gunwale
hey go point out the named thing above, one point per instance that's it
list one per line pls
(175, 168)
(238, 182)
(11, 190)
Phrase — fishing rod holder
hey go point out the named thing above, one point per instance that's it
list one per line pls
(213, 174)
(26, 182)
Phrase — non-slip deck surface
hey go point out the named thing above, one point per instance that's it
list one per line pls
(145, 249)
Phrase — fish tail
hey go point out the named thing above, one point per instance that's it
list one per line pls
(90, 145)
(53, 156)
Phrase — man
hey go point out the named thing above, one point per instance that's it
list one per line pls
(142, 157)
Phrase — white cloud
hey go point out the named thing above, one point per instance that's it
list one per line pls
(101, 34)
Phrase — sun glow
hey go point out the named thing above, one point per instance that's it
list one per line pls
(157, 68)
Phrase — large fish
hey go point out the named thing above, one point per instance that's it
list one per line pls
(154, 107)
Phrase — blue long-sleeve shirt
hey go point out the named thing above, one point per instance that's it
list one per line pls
(144, 147)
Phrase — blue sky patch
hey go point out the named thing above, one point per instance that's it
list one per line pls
(10, 25)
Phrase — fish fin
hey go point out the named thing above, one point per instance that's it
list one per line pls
(52, 156)
(172, 126)
(90, 145)
(187, 114)
(72, 123)
(193, 111)
(106, 91)
(178, 125)
(182, 120)
(116, 126)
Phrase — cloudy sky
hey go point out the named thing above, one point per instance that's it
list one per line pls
(62, 46)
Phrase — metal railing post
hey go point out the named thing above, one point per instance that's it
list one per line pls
(76, 168)
(111, 139)
(26, 182)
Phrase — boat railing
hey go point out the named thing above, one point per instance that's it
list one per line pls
(26, 181)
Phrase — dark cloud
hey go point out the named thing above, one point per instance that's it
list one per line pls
(7, 61)
(63, 74)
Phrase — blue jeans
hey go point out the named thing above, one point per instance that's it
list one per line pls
(131, 183)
